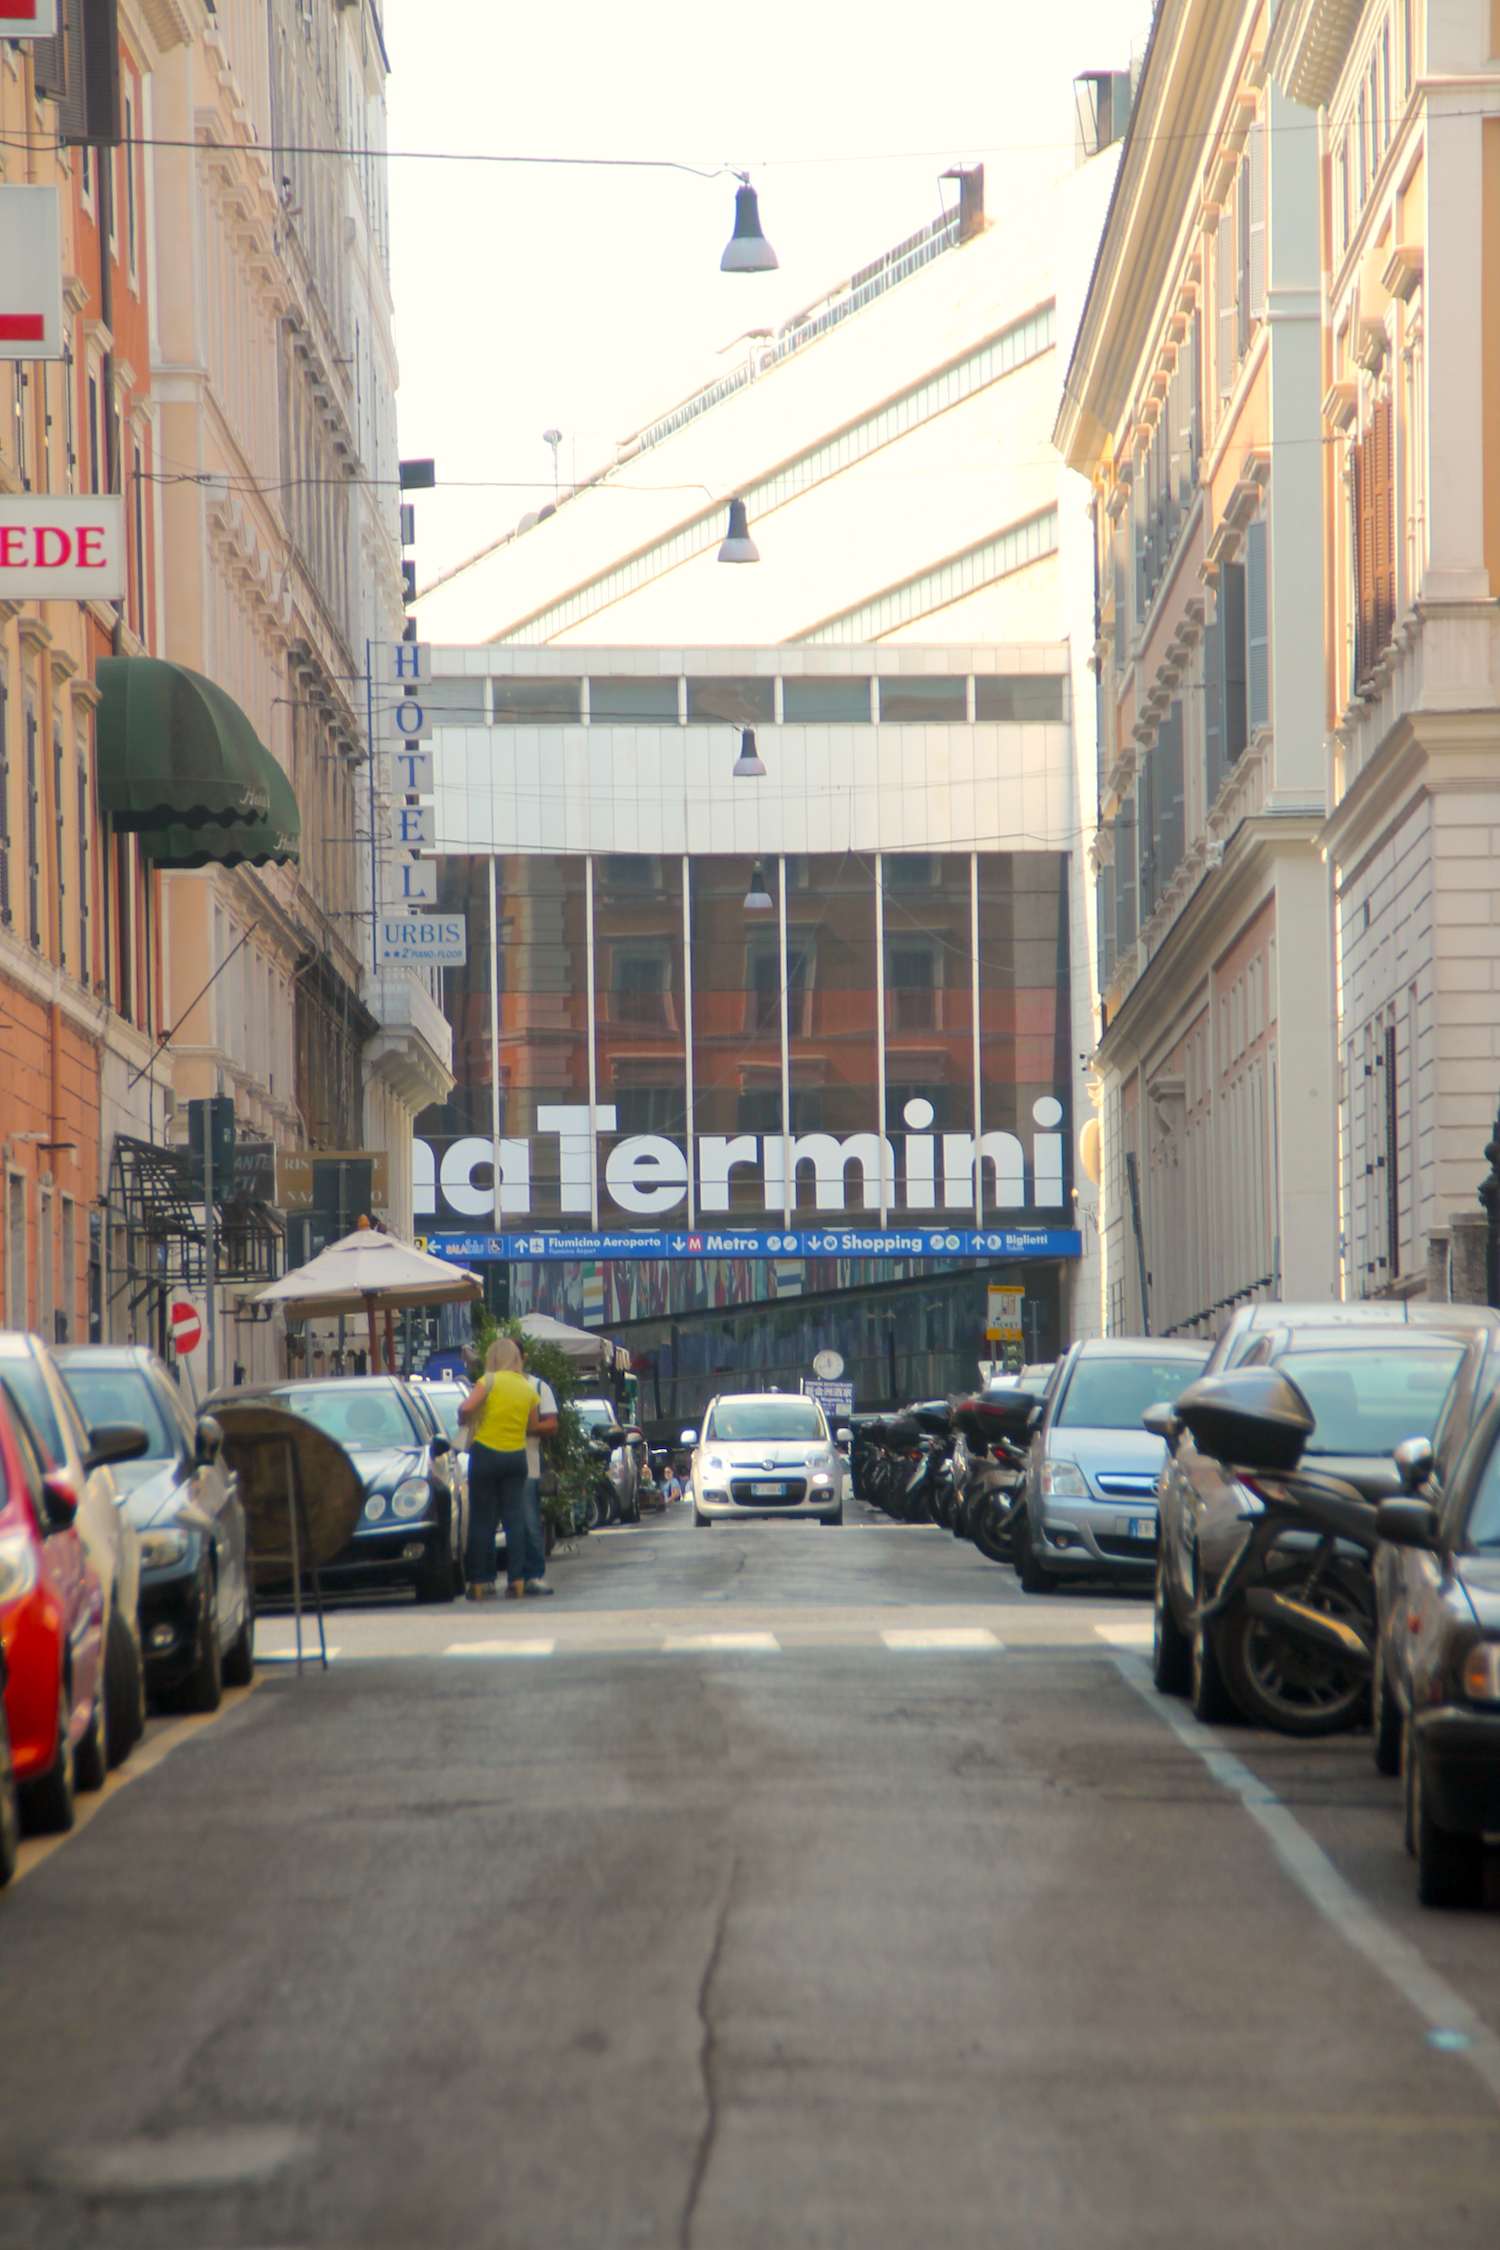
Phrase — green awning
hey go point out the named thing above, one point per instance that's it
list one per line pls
(258, 843)
(176, 752)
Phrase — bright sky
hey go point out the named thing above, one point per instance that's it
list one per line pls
(534, 297)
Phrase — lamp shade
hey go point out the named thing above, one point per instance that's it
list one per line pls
(747, 250)
(749, 764)
(738, 545)
(758, 899)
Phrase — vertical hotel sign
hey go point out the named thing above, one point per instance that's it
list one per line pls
(31, 299)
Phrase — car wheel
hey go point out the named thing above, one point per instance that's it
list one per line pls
(1450, 1866)
(89, 1766)
(124, 1691)
(1210, 1698)
(1385, 1716)
(239, 1657)
(10, 1809)
(836, 1519)
(1034, 1580)
(1171, 1650)
(1278, 1685)
(701, 1522)
(47, 1806)
(434, 1581)
(203, 1689)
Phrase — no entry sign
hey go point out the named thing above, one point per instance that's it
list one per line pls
(187, 1328)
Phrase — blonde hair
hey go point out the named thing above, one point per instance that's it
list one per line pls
(504, 1355)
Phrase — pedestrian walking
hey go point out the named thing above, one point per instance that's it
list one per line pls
(534, 1573)
(502, 1410)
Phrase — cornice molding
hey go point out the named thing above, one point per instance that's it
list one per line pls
(1308, 46)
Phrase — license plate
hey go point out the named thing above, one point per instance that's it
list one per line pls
(765, 1491)
(1140, 1527)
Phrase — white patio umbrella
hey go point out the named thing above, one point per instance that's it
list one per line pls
(370, 1272)
(579, 1343)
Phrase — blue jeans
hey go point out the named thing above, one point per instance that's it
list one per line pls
(525, 1548)
(497, 1487)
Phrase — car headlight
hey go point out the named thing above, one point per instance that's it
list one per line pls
(17, 1566)
(411, 1498)
(375, 1507)
(1481, 1674)
(160, 1549)
(823, 1476)
(1063, 1480)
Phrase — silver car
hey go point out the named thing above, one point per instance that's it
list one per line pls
(765, 1453)
(1092, 1476)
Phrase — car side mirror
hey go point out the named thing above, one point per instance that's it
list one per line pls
(687, 1437)
(1162, 1422)
(1413, 1459)
(1407, 1523)
(440, 1446)
(210, 1441)
(59, 1500)
(843, 1436)
(115, 1441)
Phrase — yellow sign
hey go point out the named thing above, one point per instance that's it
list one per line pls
(1003, 1318)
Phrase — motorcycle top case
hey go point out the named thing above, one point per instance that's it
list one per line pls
(995, 1414)
(1255, 1418)
(933, 1417)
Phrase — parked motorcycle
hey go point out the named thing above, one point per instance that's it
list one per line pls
(1287, 1635)
(989, 1464)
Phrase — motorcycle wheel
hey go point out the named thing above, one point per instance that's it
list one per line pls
(1210, 1699)
(1280, 1686)
(994, 1546)
(1385, 1717)
(1171, 1650)
(591, 1511)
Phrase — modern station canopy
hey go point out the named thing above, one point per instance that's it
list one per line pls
(747, 250)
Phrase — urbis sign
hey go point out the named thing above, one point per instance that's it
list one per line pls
(56, 548)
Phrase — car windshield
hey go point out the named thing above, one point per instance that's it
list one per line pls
(445, 1403)
(1113, 1393)
(1366, 1401)
(121, 1394)
(592, 1411)
(364, 1419)
(1483, 1528)
(25, 1380)
(747, 1421)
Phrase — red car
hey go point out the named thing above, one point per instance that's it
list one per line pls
(51, 1632)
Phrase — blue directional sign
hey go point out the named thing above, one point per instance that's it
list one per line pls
(841, 1242)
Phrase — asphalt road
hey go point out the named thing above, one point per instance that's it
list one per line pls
(890, 1910)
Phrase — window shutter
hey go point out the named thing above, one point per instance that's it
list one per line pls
(1146, 833)
(1232, 655)
(1257, 629)
(4, 807)
(1255, 174)
(1364, 560)
(1382, 529)
(60, 927)
(1170, 810)
(84, 965)
(1227, 240)
(1213, 703)
(33, 837)
(1106, 900)
(1125, 878)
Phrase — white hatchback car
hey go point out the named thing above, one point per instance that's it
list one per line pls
(765, 1453)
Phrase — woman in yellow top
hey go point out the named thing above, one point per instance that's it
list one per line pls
(501, 1409)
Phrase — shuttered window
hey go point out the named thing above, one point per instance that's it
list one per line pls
(1374, 544)
(1257, 629)
(4, 806)
(85, 967)
(33, 837)
(1213, 705)
(1147, 833)
(1170, 809)
(60, 926)
(1125, 893)
(1227, 290)
(1255, 229)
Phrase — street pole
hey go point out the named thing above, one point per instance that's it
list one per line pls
(374, 888)
(210, 1246)
(497, 1222)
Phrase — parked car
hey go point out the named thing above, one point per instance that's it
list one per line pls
(412, 1529)
(51, 1632)
(10, 1803)
(197, 1608)
(765, 1454)
(1248, 1323)
(1450, 1680)
(29, 1370)
(1475, 1384)
(1370, 1385)
(1090, 1507)
(441, 1402)
(619, 1498)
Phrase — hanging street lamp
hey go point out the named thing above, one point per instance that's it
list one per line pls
(758, 899)
(749, 765)
(747, 250)
(738, 545)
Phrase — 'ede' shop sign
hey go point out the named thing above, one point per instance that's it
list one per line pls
(57, 548)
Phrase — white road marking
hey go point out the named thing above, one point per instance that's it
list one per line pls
(500, 1648)
(943, 1636)
(311, 1654)
(1136, 1635)
(1394, 1957)
(686, 1643)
